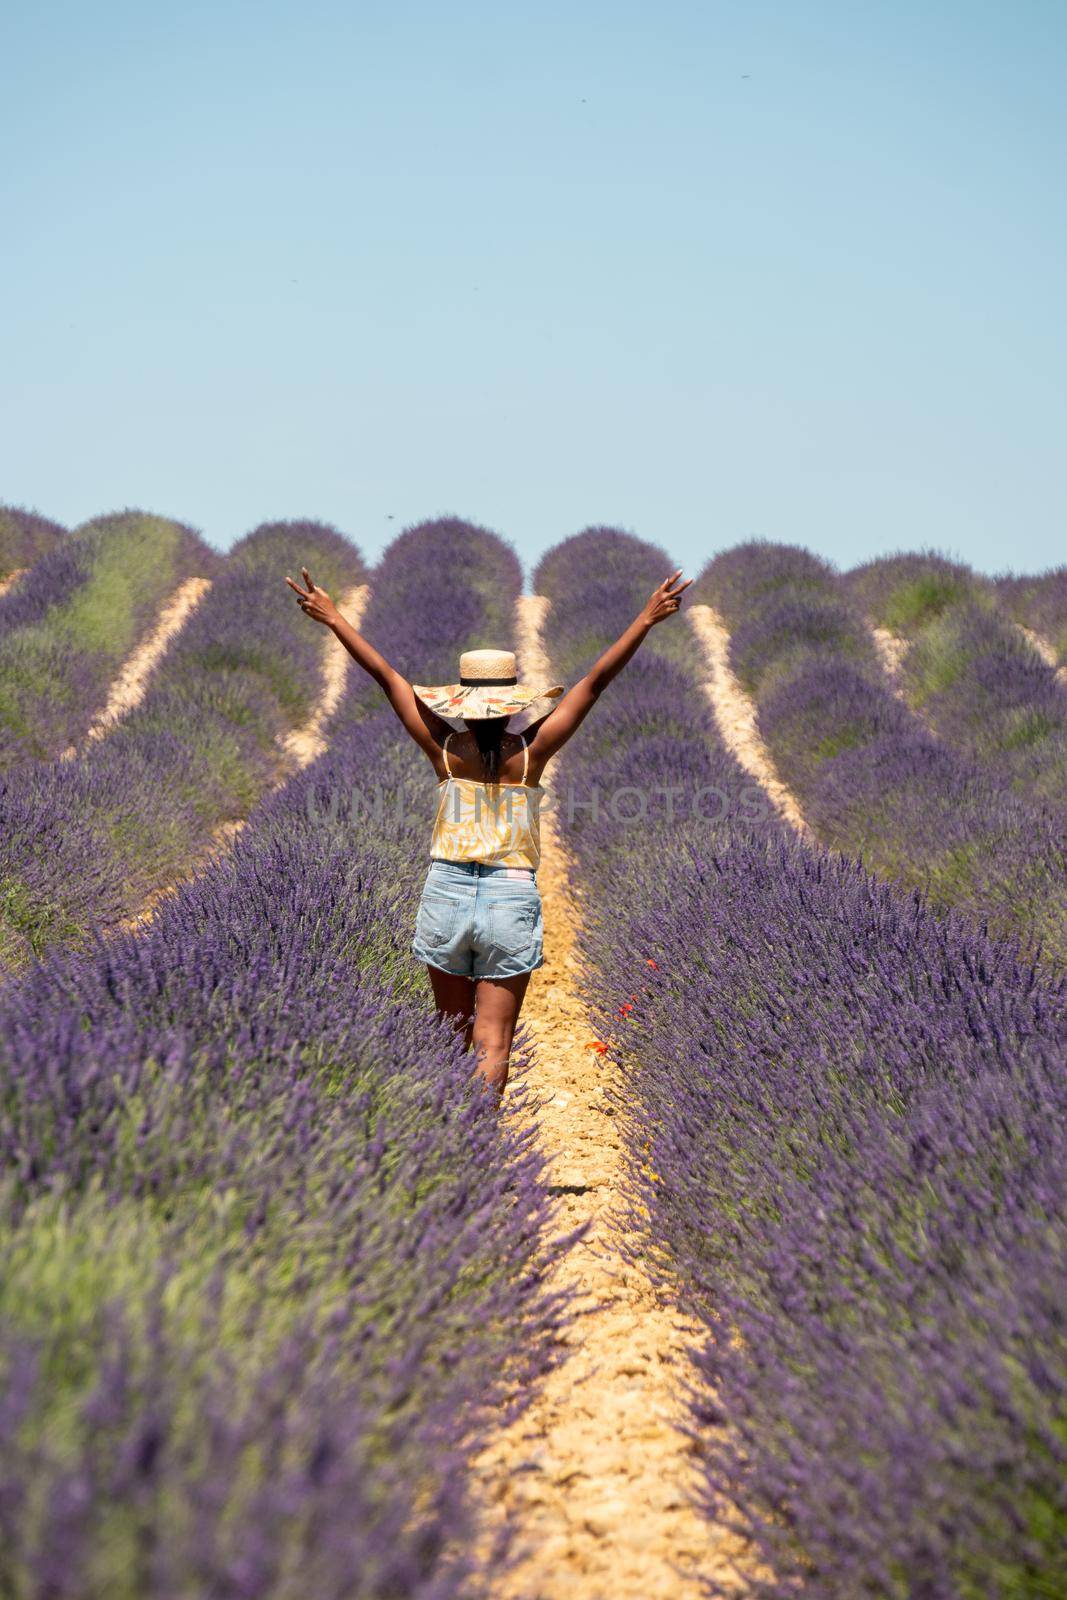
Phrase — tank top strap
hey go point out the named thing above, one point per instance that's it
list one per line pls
(525, 756)
(444, 752)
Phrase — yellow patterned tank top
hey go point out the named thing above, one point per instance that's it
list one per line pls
(497, 824)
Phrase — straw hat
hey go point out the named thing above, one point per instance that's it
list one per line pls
(488, 687)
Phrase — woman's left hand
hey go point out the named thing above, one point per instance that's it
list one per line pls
(315, 603)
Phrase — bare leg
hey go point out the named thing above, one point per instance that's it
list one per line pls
(454, 998)
(497, 1004)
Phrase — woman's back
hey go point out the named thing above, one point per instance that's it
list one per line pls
(517, 765)
(497, 824)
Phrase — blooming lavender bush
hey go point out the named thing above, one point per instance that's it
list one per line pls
(870, 777)
(981, 685)
(598, 580)
(65, 630)
(294, 1143)
(452, 581)
(1039, 603)
(988, 693)
(758, 571)
(86, 841)
(303, 1245)
(24, 538)
(904, 592)
(851, 1116)
(792, 631)
(847, 1117)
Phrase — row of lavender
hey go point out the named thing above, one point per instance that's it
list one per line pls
(85, 841)
(1037, 602)
(269, 1260)
(848, 1123)
(954, 818)
(981, 683)
(68, 625)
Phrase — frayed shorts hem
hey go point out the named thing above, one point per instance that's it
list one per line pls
(477, 977)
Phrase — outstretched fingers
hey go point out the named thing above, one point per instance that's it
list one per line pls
(667, 588)
(669, 594)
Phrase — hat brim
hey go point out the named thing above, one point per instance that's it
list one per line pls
(461, 702)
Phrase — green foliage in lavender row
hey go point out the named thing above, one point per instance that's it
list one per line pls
(906, 591)
(979, 682)
(849, 1122)
(85, 841)
(1039, 603)
(65, 629)
(24, 538)
(869, 777)
(272, 1254)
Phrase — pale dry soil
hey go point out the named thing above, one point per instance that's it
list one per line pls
(12, 578)
(595, 1476)
(891, 650)
(1044, 650)
(299, 748)
(735, 715)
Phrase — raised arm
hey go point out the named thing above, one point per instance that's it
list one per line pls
(423, 725)
(552, 734)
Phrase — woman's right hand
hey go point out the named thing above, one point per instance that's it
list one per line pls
(665, 600)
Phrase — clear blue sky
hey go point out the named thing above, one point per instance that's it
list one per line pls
(703, 270)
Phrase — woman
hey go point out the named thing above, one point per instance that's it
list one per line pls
(479, 921)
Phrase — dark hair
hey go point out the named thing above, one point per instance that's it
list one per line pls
(488, 736)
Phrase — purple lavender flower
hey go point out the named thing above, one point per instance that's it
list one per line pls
(295, 1313)
(24, 538)
(846, 1109)
(1039, 603)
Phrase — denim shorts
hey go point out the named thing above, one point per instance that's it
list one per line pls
(477, 922)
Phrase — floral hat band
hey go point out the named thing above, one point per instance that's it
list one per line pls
(488, 686)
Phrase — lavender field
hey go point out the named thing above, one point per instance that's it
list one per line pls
(276, 1271)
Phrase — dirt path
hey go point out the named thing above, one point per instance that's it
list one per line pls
(735, 716)
(301, 746)
(128, 688)
(12, 578)
(891, 650)
(595, 1475)
(1044, 650)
